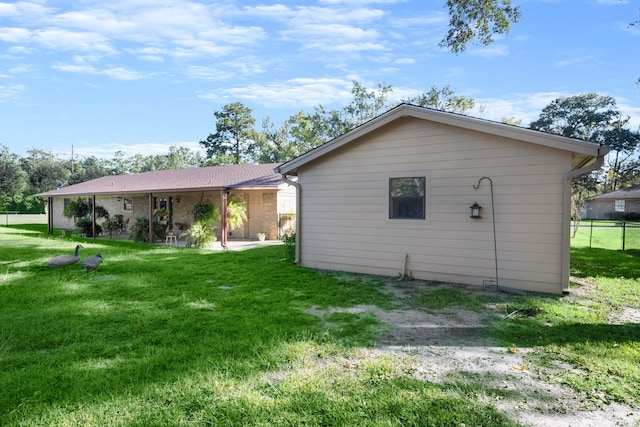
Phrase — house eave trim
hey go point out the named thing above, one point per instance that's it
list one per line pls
(452, 119)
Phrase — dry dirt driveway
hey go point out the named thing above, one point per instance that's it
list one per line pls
(449, 345)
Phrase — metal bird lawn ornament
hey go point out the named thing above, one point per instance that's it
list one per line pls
(92, 262)
(65, 260)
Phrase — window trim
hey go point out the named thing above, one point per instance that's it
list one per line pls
(423, 198)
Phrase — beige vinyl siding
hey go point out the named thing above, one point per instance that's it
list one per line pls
(345, 203)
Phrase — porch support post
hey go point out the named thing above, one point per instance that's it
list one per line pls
(150, 217)
(223, 217)
(93, 215)
(50, 215)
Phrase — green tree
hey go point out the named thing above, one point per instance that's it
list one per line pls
(89, 168)
(511, 121)
(182, 158)
(140, 163)
(365, 105)
(232, 142)
(477, 19)
(274, 145)
(119, 164)
(444, 100)
(12, 177)
(297, 135)
(303, 132)
(45, 172)
(595, 118)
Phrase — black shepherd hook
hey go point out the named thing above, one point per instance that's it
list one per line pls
(493, 214)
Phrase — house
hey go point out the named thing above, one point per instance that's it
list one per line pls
(443, 197)
(269, 200)
(619, 204)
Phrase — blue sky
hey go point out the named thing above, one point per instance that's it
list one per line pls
(139, 76)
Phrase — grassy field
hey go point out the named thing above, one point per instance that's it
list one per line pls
(603, 234)
(167, 336)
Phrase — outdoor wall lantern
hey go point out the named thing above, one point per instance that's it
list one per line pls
(178, 199)
(475, 210)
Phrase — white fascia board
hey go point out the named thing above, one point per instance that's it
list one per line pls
(452, 119)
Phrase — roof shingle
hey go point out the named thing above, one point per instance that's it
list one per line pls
(632, 192)
(243, 176)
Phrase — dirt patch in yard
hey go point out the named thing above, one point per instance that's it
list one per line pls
(452, 347)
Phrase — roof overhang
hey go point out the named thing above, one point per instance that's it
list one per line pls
(212, 178)
(586, 151)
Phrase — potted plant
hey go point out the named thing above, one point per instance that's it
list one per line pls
(161, 212)
(261, 236)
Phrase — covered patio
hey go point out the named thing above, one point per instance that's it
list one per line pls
(174, 194)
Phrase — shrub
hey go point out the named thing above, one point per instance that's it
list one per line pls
(80, 211)
(85, 226)
(289, 241)
(204, 211)
(200, 235)
(140, 230)
(78, 208)
(236, 213)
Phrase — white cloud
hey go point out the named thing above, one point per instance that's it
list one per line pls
(14, 35)
(612, 2)
(60, 39)
(151, 58)
(301, 16)
(571, 61)
(107, 151)
(98, 21)
(118, 73)
(360, 2)
(294, 93)
(332, 31)
(209, 73)
(521, 106)
(346, 47)
(421, 20)
(405, 61)
(626, 107)
(25, 11)
(634, 30)
(19, 50)
(528, 106)
(337, 29)
(21, 69)
(10, 91)
(491, 51)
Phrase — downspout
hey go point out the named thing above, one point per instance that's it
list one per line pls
(298, 216)
(566, 214)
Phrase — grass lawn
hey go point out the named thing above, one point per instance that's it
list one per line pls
(168, 336)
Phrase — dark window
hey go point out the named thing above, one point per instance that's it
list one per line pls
(407, 198)
(128, 203)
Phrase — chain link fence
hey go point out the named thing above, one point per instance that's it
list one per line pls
(614, 235)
